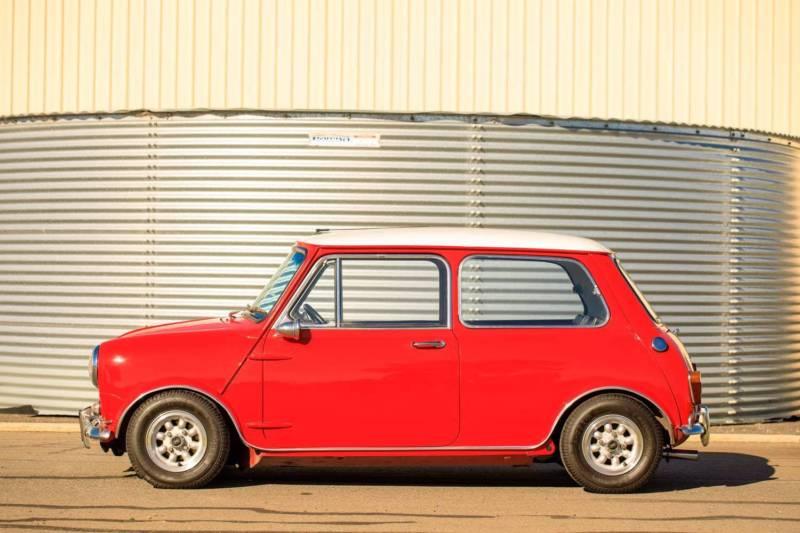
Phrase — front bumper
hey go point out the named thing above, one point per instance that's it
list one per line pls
(699, 424)
(93, 427)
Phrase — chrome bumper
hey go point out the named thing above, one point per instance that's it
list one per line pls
(93, 427)
(699, 424)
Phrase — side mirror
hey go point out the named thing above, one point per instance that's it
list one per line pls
(289, 329)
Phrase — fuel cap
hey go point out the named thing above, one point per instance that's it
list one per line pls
(659, 344)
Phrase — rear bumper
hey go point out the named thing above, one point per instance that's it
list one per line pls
(93, 427)
(699, 424)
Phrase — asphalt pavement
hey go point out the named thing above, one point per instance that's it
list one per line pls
(49, 482)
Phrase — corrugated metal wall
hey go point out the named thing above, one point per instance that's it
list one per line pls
(114, 222)
(728, 63)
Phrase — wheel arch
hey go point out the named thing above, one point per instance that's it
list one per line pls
(660, 415)
(127, 413)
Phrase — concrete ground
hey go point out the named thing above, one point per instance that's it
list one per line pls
(49, 482)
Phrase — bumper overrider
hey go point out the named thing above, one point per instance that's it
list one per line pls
(93, 426)
(699, 424)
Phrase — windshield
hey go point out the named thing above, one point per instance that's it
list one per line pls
(280, 280)
(638, 293)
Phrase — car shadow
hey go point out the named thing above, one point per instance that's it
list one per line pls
(714, 469)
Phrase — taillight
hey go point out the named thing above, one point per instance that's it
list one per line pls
(696, 386)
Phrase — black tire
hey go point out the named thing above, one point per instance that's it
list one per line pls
(576, 430)
(208, 464)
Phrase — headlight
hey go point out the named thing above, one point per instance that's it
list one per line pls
(93, 365)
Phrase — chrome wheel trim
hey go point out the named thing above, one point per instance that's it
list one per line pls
(176, 441)
(612, 445)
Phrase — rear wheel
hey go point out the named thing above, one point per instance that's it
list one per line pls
(612, 444)
(178, 440)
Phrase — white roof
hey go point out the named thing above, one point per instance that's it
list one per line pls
(456, 237)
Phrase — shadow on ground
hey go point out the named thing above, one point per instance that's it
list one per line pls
(714, 469)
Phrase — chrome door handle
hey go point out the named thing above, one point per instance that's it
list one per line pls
(428, 345)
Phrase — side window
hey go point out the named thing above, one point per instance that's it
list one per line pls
(385, 292)
(518, 292)
(376, 292)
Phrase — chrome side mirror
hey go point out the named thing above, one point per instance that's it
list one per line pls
(289, 329)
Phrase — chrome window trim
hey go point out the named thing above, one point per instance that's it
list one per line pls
(338, 301)
(663, 420)
(528, 257)
(320, 262)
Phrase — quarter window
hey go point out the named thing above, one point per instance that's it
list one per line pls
(519, 291)
(380, 292)
(318, 304)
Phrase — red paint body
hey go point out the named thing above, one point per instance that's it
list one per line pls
(491, 393)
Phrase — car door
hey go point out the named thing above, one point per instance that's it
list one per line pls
(376, 361)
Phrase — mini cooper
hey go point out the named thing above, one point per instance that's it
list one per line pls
(434, 345)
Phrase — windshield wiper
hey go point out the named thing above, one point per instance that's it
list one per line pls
(250, 309)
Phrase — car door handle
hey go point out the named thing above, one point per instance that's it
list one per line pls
(428, 345)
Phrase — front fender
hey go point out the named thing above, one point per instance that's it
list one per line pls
(131, 368)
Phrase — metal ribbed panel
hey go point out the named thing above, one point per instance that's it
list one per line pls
(114, 223)
(762, 370)
(74, 251)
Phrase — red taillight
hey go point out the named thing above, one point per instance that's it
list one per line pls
(696, 386)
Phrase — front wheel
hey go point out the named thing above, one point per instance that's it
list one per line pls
(177, 440)
(611, 444)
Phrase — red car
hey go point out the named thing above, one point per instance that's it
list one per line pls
(443, 345)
